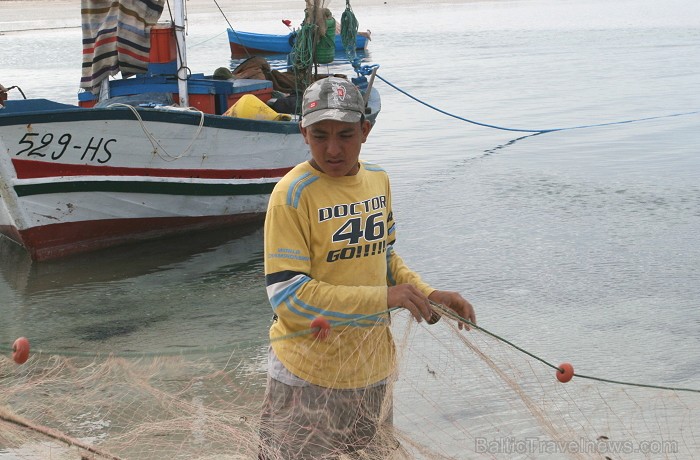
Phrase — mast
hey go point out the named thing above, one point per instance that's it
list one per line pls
(179, 19)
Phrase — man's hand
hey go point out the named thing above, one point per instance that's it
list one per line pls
(457, 303)
(410, 298)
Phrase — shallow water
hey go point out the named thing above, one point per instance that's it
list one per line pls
(579, 245)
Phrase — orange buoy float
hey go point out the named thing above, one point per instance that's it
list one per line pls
(20, 350)
(565, 372)
(321, 328)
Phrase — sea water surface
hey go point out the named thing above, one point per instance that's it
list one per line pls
(580, 244)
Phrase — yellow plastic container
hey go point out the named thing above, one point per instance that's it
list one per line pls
(251, 107)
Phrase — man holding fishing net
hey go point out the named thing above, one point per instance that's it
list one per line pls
(333, 278)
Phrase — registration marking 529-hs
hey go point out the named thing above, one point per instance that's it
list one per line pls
(54, 146)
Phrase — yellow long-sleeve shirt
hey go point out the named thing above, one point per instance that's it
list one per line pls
(329, 252)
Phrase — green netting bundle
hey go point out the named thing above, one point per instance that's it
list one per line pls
(349, 26)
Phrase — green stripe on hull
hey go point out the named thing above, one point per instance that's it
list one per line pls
(156, 188)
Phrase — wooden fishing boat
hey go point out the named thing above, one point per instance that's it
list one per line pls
(245, 43)
(125, 165)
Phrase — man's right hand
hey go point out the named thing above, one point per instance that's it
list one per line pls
(410, 298)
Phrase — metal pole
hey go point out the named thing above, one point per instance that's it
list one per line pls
(182, 69)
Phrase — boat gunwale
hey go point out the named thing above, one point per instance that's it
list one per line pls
(70, 114)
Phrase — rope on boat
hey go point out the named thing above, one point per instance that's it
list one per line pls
(188, 71)
(210, 39)
(157, 148)
(231, 27)
(537, 131)
(303, 49)
(349, 25)
(5, 90)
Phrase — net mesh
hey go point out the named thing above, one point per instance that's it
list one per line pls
(456, 395)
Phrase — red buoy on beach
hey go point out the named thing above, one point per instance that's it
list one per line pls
(20, 350)
(321, 327)
(565, 372)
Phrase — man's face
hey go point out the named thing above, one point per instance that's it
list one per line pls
(335, 145)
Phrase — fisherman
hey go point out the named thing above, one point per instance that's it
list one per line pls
(330, 257)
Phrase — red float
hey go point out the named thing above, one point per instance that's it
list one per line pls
(321, 328)
(20, 350)
(565, 372)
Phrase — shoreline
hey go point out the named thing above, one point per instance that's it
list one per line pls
(17, 15)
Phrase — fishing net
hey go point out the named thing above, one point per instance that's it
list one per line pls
(456, 394)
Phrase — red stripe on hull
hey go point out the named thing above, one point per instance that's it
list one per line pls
(61, 240)
(32, 169)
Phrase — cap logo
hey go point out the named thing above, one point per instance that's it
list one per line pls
(313, 104)
(338, 94)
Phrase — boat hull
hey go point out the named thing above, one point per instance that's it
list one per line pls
(55, 241)
(245, 43)
(74, 180)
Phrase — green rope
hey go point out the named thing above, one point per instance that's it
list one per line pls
(450, 313)
(303, 49)
(348, 31)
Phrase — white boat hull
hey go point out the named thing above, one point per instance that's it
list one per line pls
(75, 180)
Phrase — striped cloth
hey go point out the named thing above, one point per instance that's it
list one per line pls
(116, 37)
